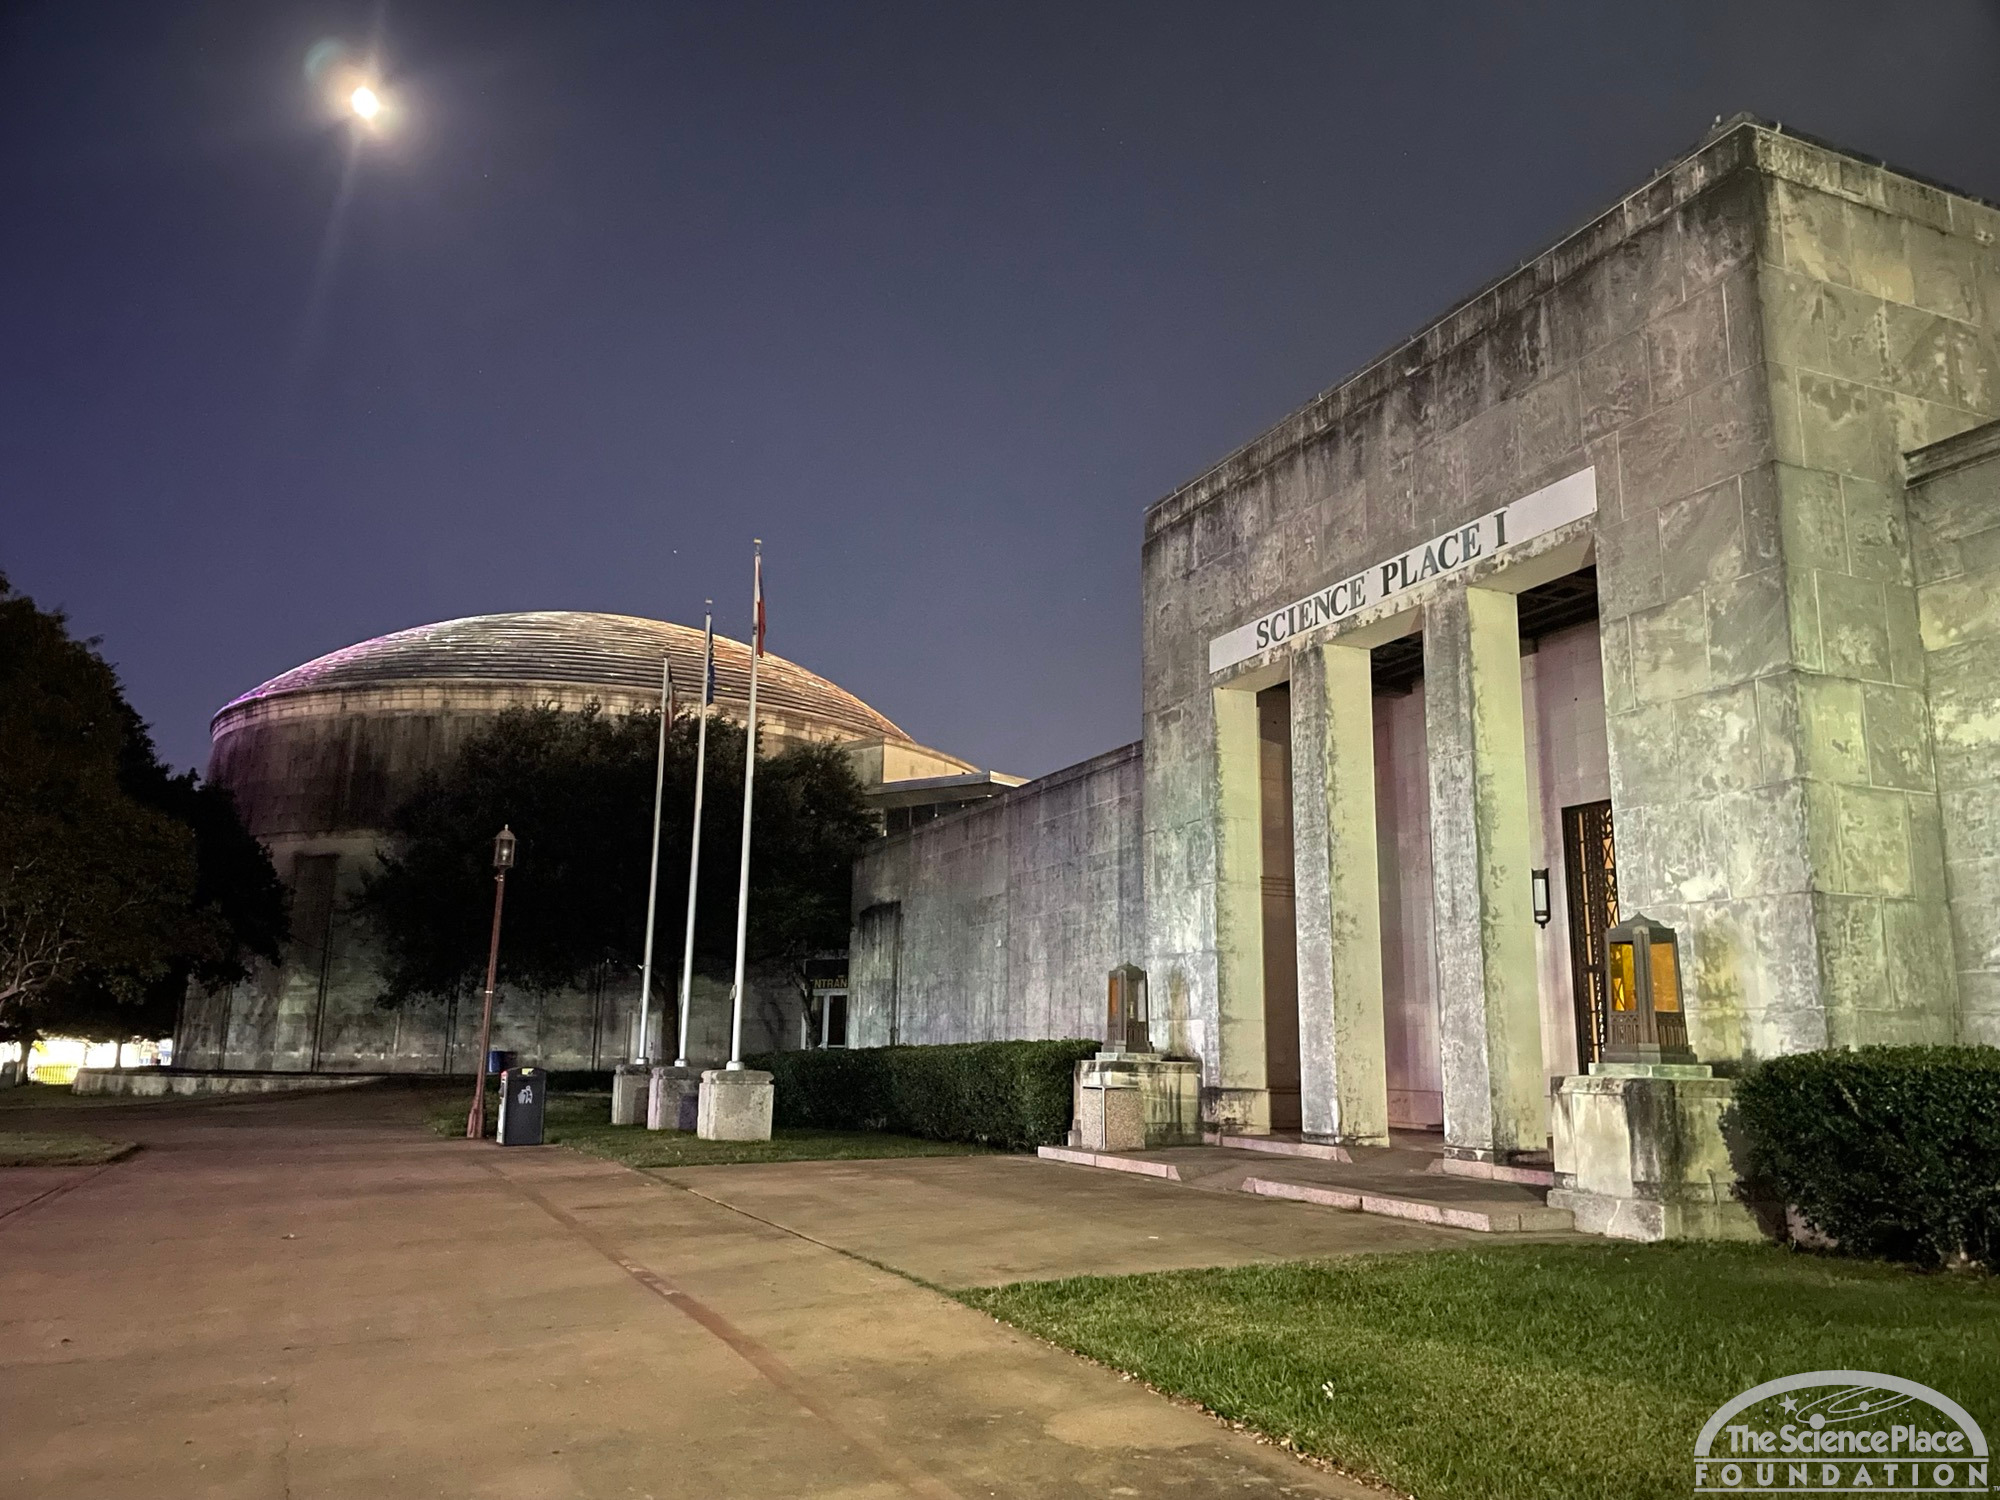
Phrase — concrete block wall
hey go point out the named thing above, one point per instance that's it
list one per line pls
(1003, 920)
(1954, 502)
(277, 1018)
(1881, 321)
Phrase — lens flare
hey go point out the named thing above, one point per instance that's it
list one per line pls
(366, 102)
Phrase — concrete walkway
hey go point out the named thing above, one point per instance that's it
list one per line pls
(987, 1220)
(310, 1297)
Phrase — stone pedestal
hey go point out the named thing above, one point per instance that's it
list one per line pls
(1130, 1101)
(1639, 1154)
(734, 1105)
(673, 1099)
(628, 1093)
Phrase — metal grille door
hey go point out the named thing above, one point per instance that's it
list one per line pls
(1592, 877)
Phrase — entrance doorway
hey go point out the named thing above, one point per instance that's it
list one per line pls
(1590, 860)
(1280, 906)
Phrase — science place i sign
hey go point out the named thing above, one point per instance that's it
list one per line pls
(1493, 534)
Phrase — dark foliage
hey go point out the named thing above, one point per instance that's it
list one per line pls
(238, 899)
(1008, 1094)
(577, 790)
(117, 880)
(1891, 1151)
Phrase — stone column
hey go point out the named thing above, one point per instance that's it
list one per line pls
(1489, 1012)
(1344, 1075)
(1241, 1101)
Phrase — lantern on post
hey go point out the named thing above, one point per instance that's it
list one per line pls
(1643, 1021)
(1127, 1027)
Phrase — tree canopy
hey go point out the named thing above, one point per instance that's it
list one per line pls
(118, 880)
(577, 790)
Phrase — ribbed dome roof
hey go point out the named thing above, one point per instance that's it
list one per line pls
(578, 649)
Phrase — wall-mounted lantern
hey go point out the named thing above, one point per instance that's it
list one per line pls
(1538, 886)
(1127, 1028)
(1644, 1022)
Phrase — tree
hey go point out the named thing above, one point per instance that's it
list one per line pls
(577, 789)
(238, 909)
(118, 881)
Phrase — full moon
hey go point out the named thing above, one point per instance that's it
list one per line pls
(367, 103)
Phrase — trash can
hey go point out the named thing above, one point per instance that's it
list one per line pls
(498, 1060)
(523, 1094)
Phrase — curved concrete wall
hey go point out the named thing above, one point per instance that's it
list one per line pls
(317, 775)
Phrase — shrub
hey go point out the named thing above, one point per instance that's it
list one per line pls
(1891, 1151)
(1008, 1094)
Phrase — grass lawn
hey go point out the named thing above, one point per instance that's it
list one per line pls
(583, 1120)
(37, 1148)
(1530, 1371)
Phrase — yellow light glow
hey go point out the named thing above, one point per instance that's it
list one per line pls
(366, 102)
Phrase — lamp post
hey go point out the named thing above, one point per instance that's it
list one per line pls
(503, 861)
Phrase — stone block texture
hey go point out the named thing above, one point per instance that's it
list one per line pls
(1955, 525)
(1742, 350)
(1002, 921)
(1880, 301)
(734, 1105)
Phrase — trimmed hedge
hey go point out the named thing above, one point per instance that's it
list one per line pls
(1891, 1151)
(1015, 1095)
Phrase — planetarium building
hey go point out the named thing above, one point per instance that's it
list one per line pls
(319, 757)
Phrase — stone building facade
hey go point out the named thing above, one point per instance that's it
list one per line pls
(1622, 570)
(979, 925)
(1954, 514)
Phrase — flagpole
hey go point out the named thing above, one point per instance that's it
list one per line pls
(645, 1051)
(694, 854)
(749, 779)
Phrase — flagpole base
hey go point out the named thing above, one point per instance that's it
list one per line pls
(734, 1106)
(628, 1094)
(673, 1099)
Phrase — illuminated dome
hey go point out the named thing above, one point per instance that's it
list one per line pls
(320, 759)
(334, 746)
(569, 648)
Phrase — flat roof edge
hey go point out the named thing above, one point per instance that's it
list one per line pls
(1742, 142)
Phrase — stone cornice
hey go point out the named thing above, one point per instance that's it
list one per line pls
(1740, 144)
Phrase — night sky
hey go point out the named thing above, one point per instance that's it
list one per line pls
(934, 298)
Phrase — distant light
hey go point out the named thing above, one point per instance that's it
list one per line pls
(367, 103)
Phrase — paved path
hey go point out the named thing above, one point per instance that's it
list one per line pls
(309, 1297)
(987, 1220)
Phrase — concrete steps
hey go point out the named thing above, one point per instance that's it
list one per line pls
(1277, 1146)
(1450, 1166)
(1110, 1162)
(1485, 1218)
(1393, 1182)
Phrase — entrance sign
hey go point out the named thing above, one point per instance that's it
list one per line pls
(1493, 534)
(1841, 1432)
